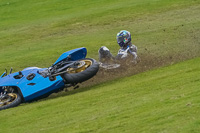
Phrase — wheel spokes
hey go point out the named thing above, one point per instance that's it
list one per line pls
(82, 66)
(7, 99)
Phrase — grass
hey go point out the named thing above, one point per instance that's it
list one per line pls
(162, 100)
(36, 33)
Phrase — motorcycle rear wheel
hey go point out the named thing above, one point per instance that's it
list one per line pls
(85, 70)
(11, 100)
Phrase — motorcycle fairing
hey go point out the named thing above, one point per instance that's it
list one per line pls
(73, 55)
(32, 89)
(35, 87)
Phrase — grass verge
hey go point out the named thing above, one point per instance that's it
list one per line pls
(162, 100)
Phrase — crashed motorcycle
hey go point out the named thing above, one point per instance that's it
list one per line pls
(33, 83)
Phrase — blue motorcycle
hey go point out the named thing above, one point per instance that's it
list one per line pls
(34, 83)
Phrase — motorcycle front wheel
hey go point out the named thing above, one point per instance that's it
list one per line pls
(9, 100)
(85, 69)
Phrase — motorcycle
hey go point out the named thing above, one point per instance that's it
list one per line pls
(33, 83)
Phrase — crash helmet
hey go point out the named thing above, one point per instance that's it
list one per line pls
(123, 37)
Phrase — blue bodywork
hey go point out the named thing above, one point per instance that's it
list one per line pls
(39, 85)
(73, 55)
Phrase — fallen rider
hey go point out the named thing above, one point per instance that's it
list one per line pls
(127, 51)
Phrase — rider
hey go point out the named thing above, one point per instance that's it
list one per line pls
(126, 48)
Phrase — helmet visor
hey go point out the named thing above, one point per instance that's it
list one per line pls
(120, 40)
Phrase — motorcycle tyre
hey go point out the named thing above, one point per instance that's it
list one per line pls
(14, 103)
(73, 78)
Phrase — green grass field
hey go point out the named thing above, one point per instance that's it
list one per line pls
(162, 100)
(36, 33)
